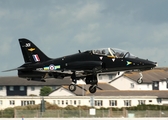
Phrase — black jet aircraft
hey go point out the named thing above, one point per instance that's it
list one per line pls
(82, 65)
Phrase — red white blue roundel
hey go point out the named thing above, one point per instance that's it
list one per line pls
(52, 67)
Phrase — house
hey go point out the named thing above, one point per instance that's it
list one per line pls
(15, 86)
(106, 98)
(122, 91)
(81, 90)
(156, 79)
(126, 98)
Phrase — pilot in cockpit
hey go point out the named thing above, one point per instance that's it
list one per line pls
(119, 55)
(103, 52)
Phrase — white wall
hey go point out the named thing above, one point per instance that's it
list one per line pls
(63, 101)
(3, 91)
(34, 92)
(165, 101)
(145, 86)
(163, 85)
(108, 76)
(124, 83)
(62, 92)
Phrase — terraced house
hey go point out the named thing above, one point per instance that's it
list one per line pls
(121, 91)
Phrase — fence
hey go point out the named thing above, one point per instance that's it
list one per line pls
(65, 113)
(86, 114)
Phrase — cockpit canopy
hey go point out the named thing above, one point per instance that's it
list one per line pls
(114, 52)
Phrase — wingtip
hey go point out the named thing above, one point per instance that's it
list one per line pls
(19, 68)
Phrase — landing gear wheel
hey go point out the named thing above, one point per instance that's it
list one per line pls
(29, 79)
(72, 87)
(139, 81)
(92, 89)
(42, 80)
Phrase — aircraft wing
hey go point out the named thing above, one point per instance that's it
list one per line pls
(64, 73)
(79, 67)
(19, 68)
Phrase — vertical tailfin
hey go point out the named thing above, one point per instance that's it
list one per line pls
(31, 53)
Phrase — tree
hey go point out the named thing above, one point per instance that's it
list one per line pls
(44, 91)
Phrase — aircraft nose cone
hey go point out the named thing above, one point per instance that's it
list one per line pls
(156, 64)
(147, 64)
(152, 64)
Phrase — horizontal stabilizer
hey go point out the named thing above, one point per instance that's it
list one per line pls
(19, 68)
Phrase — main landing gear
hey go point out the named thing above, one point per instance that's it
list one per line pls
(72, 87)
(89, 80)
(92, 88)
(92, 80)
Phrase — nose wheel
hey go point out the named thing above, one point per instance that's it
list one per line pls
(92, 88)
(72, 87)
(140, 81)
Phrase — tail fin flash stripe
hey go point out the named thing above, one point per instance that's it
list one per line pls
(36, 58)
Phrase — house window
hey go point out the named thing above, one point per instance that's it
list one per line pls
(62, 102)
(159, 100)
(54, 102)
(110, 77)
(11, 88)
(155, 85)
(132, 85)
(112, 102)
(21, 88)
(1, 102)
(127, 102)
(141, 102)
(150, 100)
(1, 87)
(70, 102)
(53, 87)
(11, 102)
(32, 102)
(74, 102)
(98, 102)
(66, 102)
(32, 88)
(25, 102)
(79, 102)
(58, 102)
(167, 83)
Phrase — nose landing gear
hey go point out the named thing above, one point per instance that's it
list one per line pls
(140, 81)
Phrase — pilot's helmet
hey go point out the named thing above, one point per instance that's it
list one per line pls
(97, 51)
(103, 52)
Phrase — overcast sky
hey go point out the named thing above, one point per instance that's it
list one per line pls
(62, 27)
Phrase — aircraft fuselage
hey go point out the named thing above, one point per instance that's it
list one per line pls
(85, 65)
